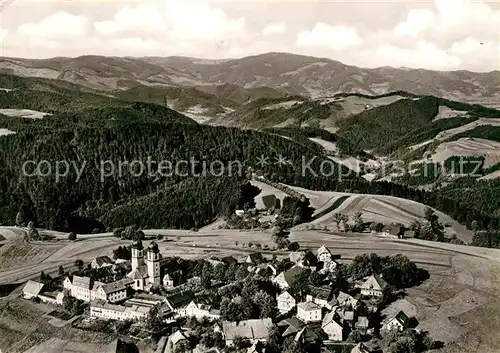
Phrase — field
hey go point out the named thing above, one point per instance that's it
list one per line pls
(266, 190)
(23, 326)
(469, 147)
(5, 132)
(23, 113)
(375, 208)
(458, 304)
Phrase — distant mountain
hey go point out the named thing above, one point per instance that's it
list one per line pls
(279, 72)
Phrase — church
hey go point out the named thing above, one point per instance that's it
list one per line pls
(145, 272)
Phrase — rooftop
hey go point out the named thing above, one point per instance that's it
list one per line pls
(308, 306)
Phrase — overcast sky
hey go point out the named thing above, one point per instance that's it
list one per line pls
(441, 34)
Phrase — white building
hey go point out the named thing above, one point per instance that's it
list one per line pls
(309, 312)
(286, 302)
(398, 322)
(332, 327)
(168, 281)
(201, 311)
(32, 289)
(145, 274)
(83, 288)
(103, 310)
(374, 286)
(324, 255)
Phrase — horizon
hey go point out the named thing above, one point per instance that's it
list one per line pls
(439, 35)
(239, 58)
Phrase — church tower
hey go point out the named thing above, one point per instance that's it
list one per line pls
(137, 256)
(153, 262)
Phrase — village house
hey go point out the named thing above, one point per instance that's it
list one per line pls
(332, 327)
(374, 286)
(254, 259)
(168, 281)
(309, 312)
(286, 279)
(32, 289)
(54, 298)
(178, 302)
(145, 273)
(102, 310)
(200, 311)
(290, 326)
(398, 323)
(286, 302)
(256, 330)
(101, 262)
(80, 288)
(394, 231)
(324, 255)
(362, 324)
(115, 291)
(323, 296)
(345, 300)
(178, 339)
(262, 269)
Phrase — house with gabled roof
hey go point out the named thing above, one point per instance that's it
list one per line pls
(32, 289)
(323, 296)
(255, 330)
(345, 300)
(178, 302)
(286, 302)
(101, 262)
(323, 254)
(309, 312)
(374, 286)
(115, 291)
(200, 311)
(362, 324)
(290, 326)
(398, 323)
(254, 258)
(286, 279)
(332, 327)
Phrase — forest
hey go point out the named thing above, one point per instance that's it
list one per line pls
(90, 128)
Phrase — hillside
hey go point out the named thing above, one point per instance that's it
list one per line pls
(293, 74)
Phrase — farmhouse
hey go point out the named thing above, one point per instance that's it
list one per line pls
(398, 322)
(178, 338)
(332, 327)
(393, 231)
(374, 286)
(54, 298)
(347, 301)
(201, 311)
(324, 255)
(323, 296)
(309, 312)
(32, 289)
(290, 326)
(101, 262)
(362, 324)
(254, 258)
(253, 330)
(286, 302)
(287, 278)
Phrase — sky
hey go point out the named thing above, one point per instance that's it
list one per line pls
(439, 35)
